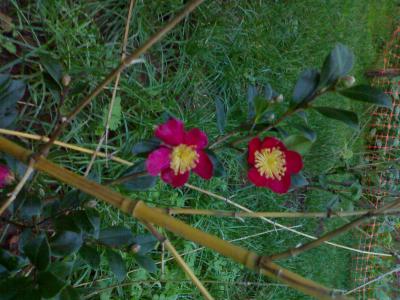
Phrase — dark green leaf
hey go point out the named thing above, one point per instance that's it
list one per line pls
(52, 67)
(221, 114)
(333, 202)
(307, 132)
(116, 263)
(306, 85)
(147, 263)
(49, 284)
(261, 105)
(140, 180)
(298, 143)
(11, 91)
(116, 236)
(337, 64)
(218, 167)
(32, 207)
(69, 293)
(16, 166)
(298, 180)
(65, 243)
(146, 243)
(10, 287)
(251, 94)
(77, 221)
(94, 219)
(368, 94)
(9, 261)
(38, 251)
(90, 255)
(268, 92)
(146, 146)
(62, 269)
(348, 117)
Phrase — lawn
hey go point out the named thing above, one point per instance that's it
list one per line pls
(217, 52)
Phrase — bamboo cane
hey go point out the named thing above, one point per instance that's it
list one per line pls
(141, 211)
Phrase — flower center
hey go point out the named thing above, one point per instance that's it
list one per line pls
(183, 159)
(270, 163)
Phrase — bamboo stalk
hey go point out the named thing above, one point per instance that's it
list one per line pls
(167, 243)
(141, 211)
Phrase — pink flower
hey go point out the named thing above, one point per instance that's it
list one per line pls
(180, 153)
(271, 164)
(6, 176)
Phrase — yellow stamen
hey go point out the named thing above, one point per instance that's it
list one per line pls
(183, 159)
(270, 163)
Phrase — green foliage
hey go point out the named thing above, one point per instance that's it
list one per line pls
(218, 167)
(221, 114)
(116, 263)
(65, 243)
(139, 179)
(306, 86)
(298, 143)
(116, 236)
(348, 117)
(368, 94)
(146, 146)
(11, 91)
(38, 251)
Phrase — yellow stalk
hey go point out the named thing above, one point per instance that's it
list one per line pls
(141, 211)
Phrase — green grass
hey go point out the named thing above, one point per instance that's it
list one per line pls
(216, 52)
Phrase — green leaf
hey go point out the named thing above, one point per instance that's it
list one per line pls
(337, 64)
(306, 85)
(261, 105)
(218, 167)
(69, 293)
(147, 263)
(9, 261)
(53, 67)
(62, 269)
(298, 180)
(368, 94)
(348, 117)
(116, 236)
(49, 284)
(147, 242)
(116, 263)
(268, 92)
(116, 115)
(10, 288)
(142, 180)
(90, 255)
(251, 94)
(38, 251)
(65, 243)
(11, 91)
(298, 143)
(32, 207)
(307, 132)
(77, 221)
(221, 114)
(146, 146)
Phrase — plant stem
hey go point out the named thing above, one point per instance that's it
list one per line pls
(142, 212)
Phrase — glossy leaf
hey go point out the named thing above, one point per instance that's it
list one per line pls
(142, 181)
(9, 261)
(49, 284)
(90, 255)
(116, 236)
(38, 251)
(66, 243)
(368, 94)
(146, 243)
(77, 221)
(298, 180)
(337, 64)
(221, 114)
(11, 91)
(116, 263)
(348, 117)
(147, 263)
(10, 287)
(306, 85)
(218, 167)
(146, 146)
(53, 67)
(32, 207)
(298, 143)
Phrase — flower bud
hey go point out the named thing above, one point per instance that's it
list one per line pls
(66, 80)
(135, 248)
(348, 81)
(6, 176)
(279, 99)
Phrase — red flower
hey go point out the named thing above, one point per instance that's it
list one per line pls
(272, 164)
(180, 153)
(6, 177)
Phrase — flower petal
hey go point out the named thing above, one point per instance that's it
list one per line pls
(256, 178)
(204, 167)
(279, 186)
(294, 162)
(4, 175)
(196, 137)
(254, 145)
(168, 176)
(172, 132)
(158, 160)
(270, 142)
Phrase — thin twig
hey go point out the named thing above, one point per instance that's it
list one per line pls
(380, 277)
(104, 136)
(165, 241)
(278, 224)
